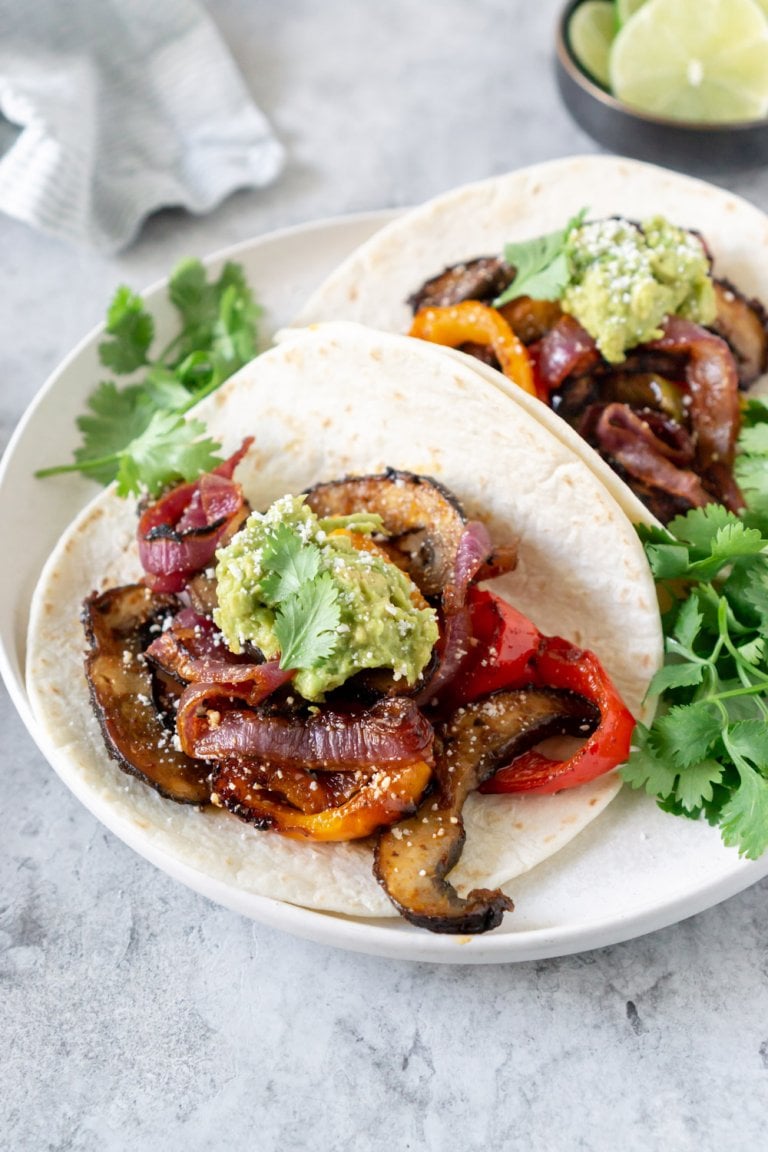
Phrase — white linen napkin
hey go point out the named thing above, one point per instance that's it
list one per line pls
(124, 107)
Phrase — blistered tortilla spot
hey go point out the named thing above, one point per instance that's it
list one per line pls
(569, 819)
(353, 293)
(593, 801)
(464, 939)
(519, 825)
(549, 839)
(376, 354)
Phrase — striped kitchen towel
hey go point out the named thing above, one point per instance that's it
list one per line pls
(112, 109)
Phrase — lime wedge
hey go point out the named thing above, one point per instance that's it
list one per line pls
(627, 8)
(590, 31)
(703, 60)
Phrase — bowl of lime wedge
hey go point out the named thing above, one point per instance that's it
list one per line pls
(683, 82)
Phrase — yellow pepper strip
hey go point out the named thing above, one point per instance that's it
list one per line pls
(471, 322)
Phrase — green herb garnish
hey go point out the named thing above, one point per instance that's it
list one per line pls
(136, 434)
(306, 623)
(307, 612)
(707, 752)
(542, 268)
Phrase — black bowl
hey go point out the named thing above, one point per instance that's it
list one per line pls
(683, 144)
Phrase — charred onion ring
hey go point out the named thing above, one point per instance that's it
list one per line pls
(179, 534)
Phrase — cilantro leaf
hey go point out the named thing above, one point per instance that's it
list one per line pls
(170, 449)
(681, 675)
(306, 623)
(219, 316)
(687, 625)
(131, 328)
(115, 417)
(645, 769)
(687, 733)
(289, 563)
(696, 786)
(542, 270)
(744, 817)
(121, 437)
(699, 527)
(707, 752)
(667, 561)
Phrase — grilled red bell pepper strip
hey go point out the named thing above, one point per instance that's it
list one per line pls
(509, 652)
(559, 664)
(503, 643)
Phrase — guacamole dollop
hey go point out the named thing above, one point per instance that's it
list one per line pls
(625, 280)
(322, 596)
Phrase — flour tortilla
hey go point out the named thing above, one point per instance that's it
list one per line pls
(373, 285)
(342, 399)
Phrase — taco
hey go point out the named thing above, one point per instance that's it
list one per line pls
(646, 376)
(333, 402)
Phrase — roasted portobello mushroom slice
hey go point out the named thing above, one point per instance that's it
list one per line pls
(412, 861)
(425, 522)
(117, 625)
(743, 324)
(481, 279)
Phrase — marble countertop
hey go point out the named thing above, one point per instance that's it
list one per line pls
(134, 1013)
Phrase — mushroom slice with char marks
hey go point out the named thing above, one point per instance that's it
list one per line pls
(413, 860)
(481, 279)
(424, 521)
(118, 624)
(743, 324)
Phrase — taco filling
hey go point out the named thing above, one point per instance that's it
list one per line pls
(335, 684)
(622, 329)
(334, 672)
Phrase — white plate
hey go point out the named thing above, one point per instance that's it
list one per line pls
(633, 870)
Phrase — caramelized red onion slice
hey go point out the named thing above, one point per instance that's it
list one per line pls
(630, 440)
(713, 387)
(392, 731)
(189, 646)
(179, 534)
(474, 548)
(450, 651)
(207, 700)
(566, 349)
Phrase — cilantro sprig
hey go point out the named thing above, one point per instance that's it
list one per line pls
(306, 600)
(541, 264)
(707, 752)
(136, 434)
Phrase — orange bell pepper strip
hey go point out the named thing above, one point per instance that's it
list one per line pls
(471, 322)
(388, 796)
